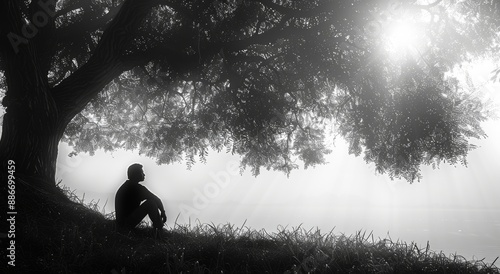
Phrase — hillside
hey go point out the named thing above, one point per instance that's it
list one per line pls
(59, 234)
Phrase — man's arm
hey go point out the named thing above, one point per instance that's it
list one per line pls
(160, 207)
(159, 204)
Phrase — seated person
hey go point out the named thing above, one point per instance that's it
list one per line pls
(128, 207)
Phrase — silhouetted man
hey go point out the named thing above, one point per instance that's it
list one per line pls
(129, 210)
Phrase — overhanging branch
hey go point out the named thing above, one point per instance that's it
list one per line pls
(74, 92)
(297, 12)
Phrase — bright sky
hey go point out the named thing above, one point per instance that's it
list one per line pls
(455, 208)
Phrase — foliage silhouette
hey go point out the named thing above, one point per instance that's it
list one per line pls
(263, 79)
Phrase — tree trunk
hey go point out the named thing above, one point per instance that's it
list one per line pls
(29, 131)
(30, 138)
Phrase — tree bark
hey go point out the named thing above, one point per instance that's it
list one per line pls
(30, 138)
(29, 133)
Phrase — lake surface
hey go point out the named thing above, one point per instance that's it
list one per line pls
(473, 234)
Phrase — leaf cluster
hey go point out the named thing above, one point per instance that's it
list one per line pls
(268, 80)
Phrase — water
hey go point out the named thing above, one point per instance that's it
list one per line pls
(471, 233)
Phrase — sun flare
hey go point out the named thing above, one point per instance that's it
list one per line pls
(402, 36)
(404, 33)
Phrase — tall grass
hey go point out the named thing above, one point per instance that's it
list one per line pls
(64, 235)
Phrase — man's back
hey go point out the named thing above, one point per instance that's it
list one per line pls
(128, 198)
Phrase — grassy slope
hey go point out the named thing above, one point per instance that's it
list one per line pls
(59, 235)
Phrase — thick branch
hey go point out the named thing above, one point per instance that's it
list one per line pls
(75, 30)
(296, 12)
(74, 93)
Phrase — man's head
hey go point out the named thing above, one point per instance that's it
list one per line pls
(135, 173)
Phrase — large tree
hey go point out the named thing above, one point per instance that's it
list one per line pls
(266, 79)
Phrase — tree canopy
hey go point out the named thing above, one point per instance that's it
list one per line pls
(271, 80)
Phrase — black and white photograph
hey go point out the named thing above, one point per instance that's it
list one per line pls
(250, 136)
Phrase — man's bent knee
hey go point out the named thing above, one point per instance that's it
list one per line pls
(153, 213)
(150, 205)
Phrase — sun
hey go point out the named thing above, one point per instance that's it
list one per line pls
(402, 36)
